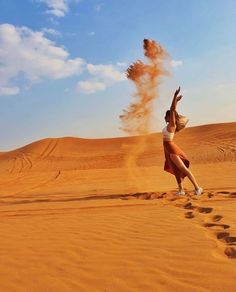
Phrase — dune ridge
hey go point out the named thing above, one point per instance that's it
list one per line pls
(216, 141)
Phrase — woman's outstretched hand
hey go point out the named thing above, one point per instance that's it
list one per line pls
(177, 96)
(177, 91)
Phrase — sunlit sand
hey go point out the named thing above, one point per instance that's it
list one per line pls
(73, 218)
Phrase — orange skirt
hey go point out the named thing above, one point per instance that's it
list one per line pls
(171, 148)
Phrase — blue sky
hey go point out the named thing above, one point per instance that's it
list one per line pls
(62, 64)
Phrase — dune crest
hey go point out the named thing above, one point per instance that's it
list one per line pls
(203, 144)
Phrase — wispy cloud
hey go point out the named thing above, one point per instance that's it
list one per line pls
(176, 63)
(101, 77)
(89, 87)
(57, 8)
(51, 31)
(106, 72)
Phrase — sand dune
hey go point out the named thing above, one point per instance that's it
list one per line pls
(215, 143)
(74, 219)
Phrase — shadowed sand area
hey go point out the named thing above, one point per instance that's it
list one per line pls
(74, 219)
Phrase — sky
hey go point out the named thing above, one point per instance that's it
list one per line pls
(63, 62)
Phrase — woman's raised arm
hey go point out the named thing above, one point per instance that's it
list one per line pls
(176, 98)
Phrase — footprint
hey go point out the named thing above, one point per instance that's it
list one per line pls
(156, 196)
(230, 252)
(189, 215)
(204, 210)
(216, 218)
(226, 238)
(232, 195)
(231, 240)
(187, 205)
(173, 198)
(224, 226)
(143, 196)
(220, 235)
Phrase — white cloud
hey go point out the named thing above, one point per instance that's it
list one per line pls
(103, 76)
(108, 73)
(176, 63)
(57, 8)
(31, 54)
(89, 87)
(33, 57)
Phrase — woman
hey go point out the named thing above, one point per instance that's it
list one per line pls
(176, 161)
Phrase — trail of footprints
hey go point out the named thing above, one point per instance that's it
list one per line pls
(212, 222)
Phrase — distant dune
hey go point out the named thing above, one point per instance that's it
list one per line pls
(74, 218)
(203, 144)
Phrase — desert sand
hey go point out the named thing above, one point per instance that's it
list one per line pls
(73, 218)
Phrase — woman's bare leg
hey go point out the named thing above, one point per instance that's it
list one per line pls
(179, 184)
(181, 166)
(180, 187)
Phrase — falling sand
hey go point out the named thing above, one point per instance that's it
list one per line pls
(71, 219)
(137, 118)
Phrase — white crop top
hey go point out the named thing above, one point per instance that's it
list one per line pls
(167, 136)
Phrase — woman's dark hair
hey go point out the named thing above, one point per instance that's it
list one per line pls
(180, 120)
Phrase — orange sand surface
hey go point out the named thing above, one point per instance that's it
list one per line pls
(73, 218)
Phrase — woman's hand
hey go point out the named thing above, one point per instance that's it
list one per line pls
(177, 91)
(177, 96)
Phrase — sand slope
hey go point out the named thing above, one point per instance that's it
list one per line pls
(74, 219)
